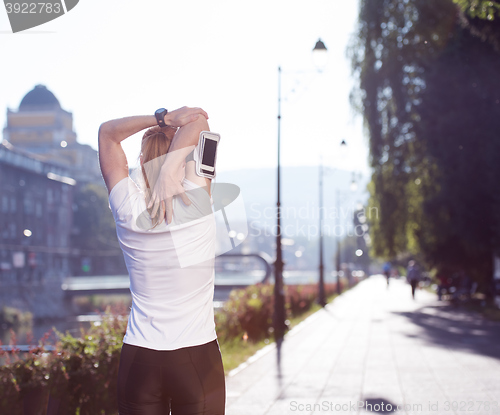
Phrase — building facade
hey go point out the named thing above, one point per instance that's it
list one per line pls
(36, 210)
(45, 177)
(41, 127)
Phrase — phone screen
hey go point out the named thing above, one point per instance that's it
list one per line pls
(209, 153)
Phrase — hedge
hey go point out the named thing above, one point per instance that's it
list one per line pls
(249, 311)
(80, 374)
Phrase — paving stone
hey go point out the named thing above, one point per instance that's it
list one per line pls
(375, 345)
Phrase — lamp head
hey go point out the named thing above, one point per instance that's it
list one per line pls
(320, 46)
(343, 149)
(320, 55)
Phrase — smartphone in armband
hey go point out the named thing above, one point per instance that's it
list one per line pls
(207, 154)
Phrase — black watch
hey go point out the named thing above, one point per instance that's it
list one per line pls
(160, 117)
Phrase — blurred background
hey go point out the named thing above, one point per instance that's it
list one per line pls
(388, 153)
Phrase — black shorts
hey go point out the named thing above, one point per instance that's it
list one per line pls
(185, 381)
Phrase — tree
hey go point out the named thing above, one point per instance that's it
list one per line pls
(480, 17)
(95, 232)
(427, 90)
(460, 128)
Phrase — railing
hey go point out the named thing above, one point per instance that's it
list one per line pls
(261, 257)
(120, 284)
(24, 347)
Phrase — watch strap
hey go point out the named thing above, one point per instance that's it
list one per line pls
(160, 117)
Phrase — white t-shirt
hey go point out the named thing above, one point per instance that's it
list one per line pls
(171, 268)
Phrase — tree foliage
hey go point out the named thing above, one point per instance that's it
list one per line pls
(481, 17)
(482, 9)
(93, 219)
(429, 95)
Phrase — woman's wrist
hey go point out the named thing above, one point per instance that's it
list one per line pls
(183, 116)
(168, 120)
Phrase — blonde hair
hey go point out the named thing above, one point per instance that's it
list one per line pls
(155, 144)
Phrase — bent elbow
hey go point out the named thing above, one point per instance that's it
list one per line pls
(104, 131)
(101, 132)
(202, 123)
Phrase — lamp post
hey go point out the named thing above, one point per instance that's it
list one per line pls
(321, 288)
(321, 282)
(343, 147)
(279, 294)
(319, 56)
(337, 257)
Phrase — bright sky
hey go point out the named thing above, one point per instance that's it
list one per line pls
(114, 58)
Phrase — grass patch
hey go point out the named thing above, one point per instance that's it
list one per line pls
(236, 351)
(488, 311)
(492, 313)
(476, 304)
(315, 307)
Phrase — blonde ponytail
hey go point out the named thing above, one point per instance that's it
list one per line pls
(155, 144)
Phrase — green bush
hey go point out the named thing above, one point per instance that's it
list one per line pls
(300, 298)
(249, 311)
(86, 370)
(12, 317)
(80, 374)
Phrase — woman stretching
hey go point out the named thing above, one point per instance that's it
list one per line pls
(170, 358)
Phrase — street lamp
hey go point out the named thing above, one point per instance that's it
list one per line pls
(343, 148)
(321, 288)
(279, 294)
(319, 57)
(321, 283)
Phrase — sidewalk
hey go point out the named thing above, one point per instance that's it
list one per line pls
(376, 346)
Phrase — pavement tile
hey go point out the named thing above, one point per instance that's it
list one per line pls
(375, 345)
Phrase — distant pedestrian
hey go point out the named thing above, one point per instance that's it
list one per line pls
(443, 284)
(387, 271)
(413, 276)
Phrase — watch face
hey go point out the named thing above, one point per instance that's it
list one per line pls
(160, 111)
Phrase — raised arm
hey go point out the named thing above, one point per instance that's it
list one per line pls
(183, 143)
(169, 183)
(112, 158)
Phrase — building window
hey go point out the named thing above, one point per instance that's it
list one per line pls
(28, 204)
(64, 195)
(38, 211)
(5, 204)
(50, 196)
(65, 265)
(13, 204)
